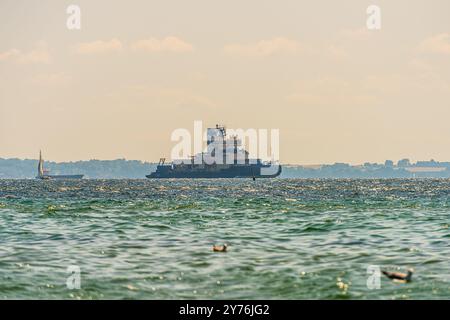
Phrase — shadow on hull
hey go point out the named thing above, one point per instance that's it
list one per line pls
(212, 172)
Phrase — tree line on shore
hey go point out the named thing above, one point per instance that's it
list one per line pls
(135, 169)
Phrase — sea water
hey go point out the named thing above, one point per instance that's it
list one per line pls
(287, 239)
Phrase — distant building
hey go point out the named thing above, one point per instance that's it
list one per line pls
(430, 163)
(341, 165)
(389, 163)
(404, 163)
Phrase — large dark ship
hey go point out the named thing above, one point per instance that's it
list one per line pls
(43, 174)
(235, 162)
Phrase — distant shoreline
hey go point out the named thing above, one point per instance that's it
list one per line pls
(136, 169)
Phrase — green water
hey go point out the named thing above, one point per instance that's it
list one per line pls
(288, 239)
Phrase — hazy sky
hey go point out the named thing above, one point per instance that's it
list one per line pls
(137, 70)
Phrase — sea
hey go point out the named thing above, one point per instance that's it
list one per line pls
(286, 238)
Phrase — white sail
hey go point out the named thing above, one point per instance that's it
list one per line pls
(40, 165)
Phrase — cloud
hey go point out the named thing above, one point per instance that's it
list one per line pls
(286, 46)
(51, 79)
(37, 55)
(354, 34)
(409, 85)
(439, 43)
(99, 46)
(330, 91)
(163, 98)
(265, 48)
(194, 101)
(419, 65)
(336, 52)
(168, 44)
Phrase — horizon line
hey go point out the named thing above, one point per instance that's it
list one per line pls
(285, 164)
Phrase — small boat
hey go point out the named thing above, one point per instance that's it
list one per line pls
(44, 174)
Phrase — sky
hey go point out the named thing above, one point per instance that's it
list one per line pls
(138, 70)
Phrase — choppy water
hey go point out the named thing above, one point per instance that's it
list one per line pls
(293, 239)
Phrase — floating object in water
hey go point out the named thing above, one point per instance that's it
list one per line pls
(10, 196)
(399, 276)
(217, 248)
(131, 287)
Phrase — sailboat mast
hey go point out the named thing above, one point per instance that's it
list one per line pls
(40, 165)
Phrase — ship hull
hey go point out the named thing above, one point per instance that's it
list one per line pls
(61, 177)
(244, 171)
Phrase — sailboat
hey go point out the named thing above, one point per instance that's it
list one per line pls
(43, 174)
